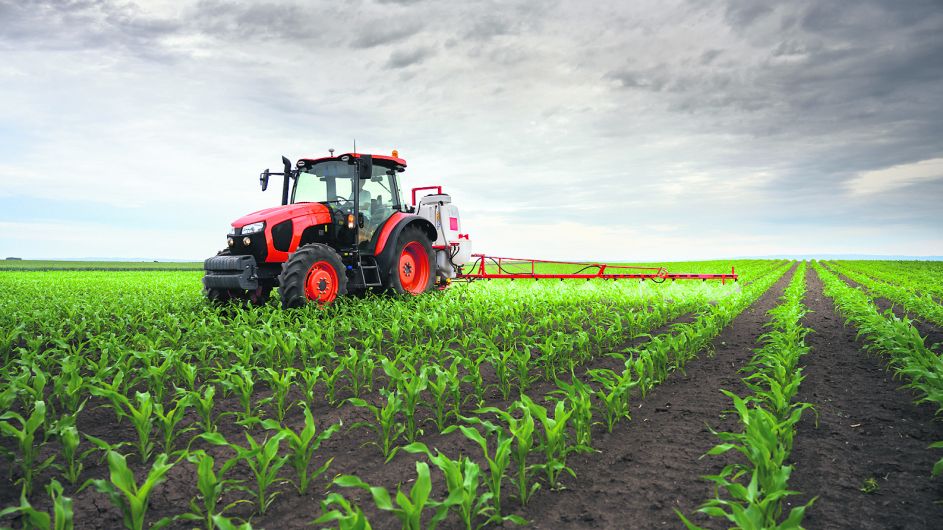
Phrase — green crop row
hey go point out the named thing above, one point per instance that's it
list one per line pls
(905, 296)
(896, 338)
(749, 493)
(920, 277)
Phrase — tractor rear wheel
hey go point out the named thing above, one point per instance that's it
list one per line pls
(411, 270)
(314, 273)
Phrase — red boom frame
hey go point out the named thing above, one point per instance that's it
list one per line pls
(659, 274)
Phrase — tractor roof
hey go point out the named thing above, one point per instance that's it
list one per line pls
(381, 158)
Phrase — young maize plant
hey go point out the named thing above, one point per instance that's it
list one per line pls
(141, 416)
(553, 443)
(27, 443)
(408, 508)
(69, 441)
(280, 381)
(240, 381)
(385, 422)
(331, 379)
(359, 367)
(168, 421)
(768, 418)
(203, 404)
(521, 431)
(127, 495)
(409, 385)
(578, 394)
(613, 394)
(35, 519)
(69, 388)
(211, 485)
(303, 445)
(262, 459)
(446, 393)
(221, 522)
(498, 463)
(462, 477)
(347, 516)
(309, 380)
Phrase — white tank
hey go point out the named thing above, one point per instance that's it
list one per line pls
(453, 247)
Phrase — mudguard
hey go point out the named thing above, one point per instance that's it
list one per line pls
(385, 246)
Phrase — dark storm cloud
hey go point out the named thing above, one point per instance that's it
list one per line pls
(862, 77)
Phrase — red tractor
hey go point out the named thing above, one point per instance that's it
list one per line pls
(342, 228)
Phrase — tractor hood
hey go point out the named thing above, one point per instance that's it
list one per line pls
(278, 214)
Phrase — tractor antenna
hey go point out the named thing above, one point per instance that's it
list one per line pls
(355, 145)
(331, 150)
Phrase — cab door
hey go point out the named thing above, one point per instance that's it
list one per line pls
(378, 199)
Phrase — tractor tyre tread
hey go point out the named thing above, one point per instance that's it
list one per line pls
(291, 282)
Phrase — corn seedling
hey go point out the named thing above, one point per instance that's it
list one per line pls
(262, 459)
(498, 463)
(408, 508)
(125, 494)
(346, 516)
(34, 519)
(168, 421)
(303, 445)
(27, 443)
(553, 443)
(387, 426)
(522, 432)
(212, 485)
(462, 476)
(280, 381)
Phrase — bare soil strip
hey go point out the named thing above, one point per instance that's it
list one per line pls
(651, 465)
(867, 428)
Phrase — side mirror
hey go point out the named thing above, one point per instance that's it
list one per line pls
(263, 179)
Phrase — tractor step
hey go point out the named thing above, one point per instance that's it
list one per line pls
(369, 263)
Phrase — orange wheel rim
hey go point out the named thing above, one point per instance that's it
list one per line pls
(414, 268)
(321, 283)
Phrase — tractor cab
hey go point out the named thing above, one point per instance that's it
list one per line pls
(361, 193)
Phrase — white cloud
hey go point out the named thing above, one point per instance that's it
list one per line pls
(882, 180)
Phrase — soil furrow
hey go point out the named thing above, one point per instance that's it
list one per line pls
(651, 465)
(868, 428)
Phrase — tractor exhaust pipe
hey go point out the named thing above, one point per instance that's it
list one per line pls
(287, 173)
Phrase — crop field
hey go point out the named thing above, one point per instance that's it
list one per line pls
(807, 394)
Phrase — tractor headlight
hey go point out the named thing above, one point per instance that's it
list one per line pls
(253, 228)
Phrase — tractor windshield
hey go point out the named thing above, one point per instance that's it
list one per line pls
(333, 182)
(325, 182)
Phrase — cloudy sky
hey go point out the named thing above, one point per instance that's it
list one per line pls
(620, 130)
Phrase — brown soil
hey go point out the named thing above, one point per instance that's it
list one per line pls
(650, 466)
(867, 428)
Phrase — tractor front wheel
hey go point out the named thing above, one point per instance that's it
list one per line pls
(314, 273)
(411, 270)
